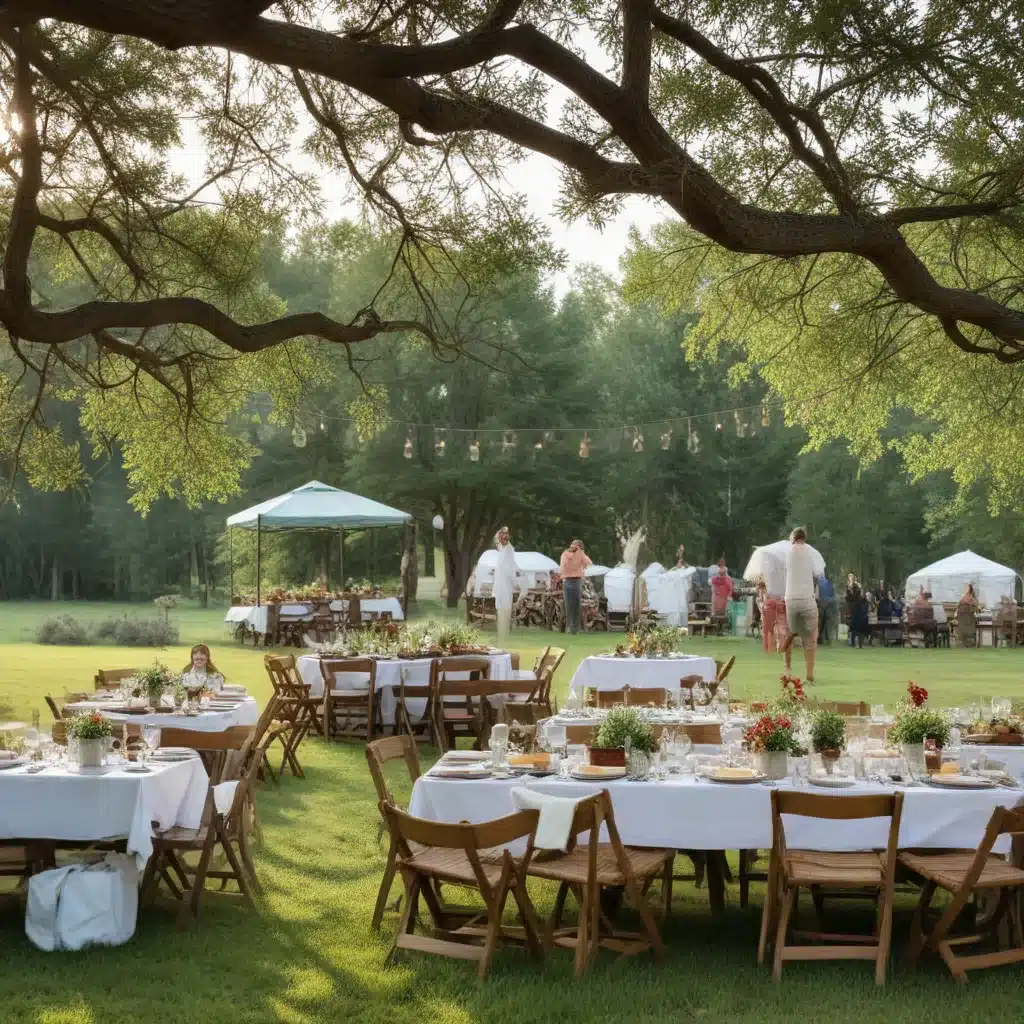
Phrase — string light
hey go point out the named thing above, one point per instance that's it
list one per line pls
(585, 446)
(718, 428)
(508, 442)
(666, 440)
(474, 450)
(439, 444)
(638, 440)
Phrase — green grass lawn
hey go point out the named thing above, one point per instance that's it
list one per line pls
(309, 954)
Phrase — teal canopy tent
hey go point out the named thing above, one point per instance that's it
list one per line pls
(313, 506)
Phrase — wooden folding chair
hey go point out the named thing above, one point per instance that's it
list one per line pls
(419, 726)
(791, 870)
(723, 670)
(296, 708)
(226, 825)
(964, 875)
(708, 733)
(350, 710)
(469, 715)
(54, 707)
(610, 698)
(211, 746)
(429, 853)
(586, 869)
(110, 678)
(522, 721)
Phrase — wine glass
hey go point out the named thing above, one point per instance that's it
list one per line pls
(30, 737)
(151, 739)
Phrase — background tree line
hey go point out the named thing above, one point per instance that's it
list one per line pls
(549, 367)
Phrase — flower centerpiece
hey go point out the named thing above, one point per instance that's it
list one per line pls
(770, 739)
(621, 727)
(921, 731)
(91, 733)
(792, 700)
(154, 682)
(828, 736)
(652, 642)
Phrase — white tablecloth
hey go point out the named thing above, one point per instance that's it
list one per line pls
(105, 804)
(247, 713)
(373, 605)
(684, 814)
(606, 672)
(389, 677)
(255, 618)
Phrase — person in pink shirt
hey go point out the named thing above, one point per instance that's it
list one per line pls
(573, 567)
(721, 590)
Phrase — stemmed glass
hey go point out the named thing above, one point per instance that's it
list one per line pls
(151, 740)
(30, 737)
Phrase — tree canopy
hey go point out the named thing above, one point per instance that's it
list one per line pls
(843, 167)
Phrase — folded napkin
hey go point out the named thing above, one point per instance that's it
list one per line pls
(223, 795)
(556, 814)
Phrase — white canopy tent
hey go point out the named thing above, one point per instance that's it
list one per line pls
(596, 570)
(313, 506)
(618, 588)
(533, 569)
(654, 569)
(947, 578)
(668, 594)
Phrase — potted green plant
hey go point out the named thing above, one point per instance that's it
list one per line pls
(913, 727)
(91, 733)
(154, 681)
(828, 736)
(770, 740)
(621, 725)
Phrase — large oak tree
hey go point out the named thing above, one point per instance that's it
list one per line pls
(883, 136)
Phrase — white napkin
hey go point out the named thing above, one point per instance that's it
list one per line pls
(556, 814)
(223, 795)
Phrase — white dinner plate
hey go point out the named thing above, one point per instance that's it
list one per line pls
(832, 781)
(736, 780)
(961, 782)
(607, 772)
(465, 755)
(461, 772)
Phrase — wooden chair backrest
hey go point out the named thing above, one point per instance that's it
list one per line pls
(59, 733)
(53, 706)
(709, 733)
(839, 808)
(233, 738)
(329, 667)
(591, 814)
(391, 748)
(609, 698)
(853, 709)
(418, 690)
(469, 838)
(110, 678)
(642, 696)
(724, 670)
(458, 664)
(538, 663)
(513, 713)
(284, 676)
(584, 734)
(552, 659)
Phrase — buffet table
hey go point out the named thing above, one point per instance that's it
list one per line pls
(608, 672)
(389, 676)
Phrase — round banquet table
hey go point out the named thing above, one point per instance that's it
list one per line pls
(606, 672)
(389, 677)
(247, 713)
(684, 813)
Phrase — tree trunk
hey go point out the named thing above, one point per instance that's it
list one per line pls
(429, 568)
(55, 582)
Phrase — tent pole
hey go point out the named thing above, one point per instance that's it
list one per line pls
(341, 554)
(231, 568)
(259, 560)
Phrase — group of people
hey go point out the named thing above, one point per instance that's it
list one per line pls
(572, 567)
(860, 604)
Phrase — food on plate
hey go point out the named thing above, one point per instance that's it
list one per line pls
(735, 773)
(598, 771)
(530, 760)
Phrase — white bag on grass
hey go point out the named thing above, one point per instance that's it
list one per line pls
(84, 904)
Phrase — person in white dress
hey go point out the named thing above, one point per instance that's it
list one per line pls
(201, 671)
(504, 580)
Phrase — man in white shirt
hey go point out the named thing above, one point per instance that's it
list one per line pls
(801, 608)
(504, 581)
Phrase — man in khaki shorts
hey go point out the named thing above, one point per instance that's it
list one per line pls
(801, 608)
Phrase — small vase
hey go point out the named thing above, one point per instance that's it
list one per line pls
(91, 752)
(829, 758)
(913, 755)
(773, 764)
(639, 765)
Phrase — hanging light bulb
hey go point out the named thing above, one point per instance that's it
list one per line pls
(766, 418)
(474, 450)
(718, 428)
(323, 427)
(407, 448)
(439, 448)
(298, 437)
(508, 442)
(666, 440)
(692, 440)
(585, 446)
(539, 445)
(638, 440)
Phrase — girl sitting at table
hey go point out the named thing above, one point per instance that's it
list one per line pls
(201, 671)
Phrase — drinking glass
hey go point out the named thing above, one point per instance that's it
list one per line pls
(151, 738)
(30, 737)
(878, 713)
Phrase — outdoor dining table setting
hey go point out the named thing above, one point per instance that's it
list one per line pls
(230, 707)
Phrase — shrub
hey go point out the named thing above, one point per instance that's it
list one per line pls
(63, 630)
(127, 632)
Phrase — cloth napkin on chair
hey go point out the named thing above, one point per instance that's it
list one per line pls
(556, 814)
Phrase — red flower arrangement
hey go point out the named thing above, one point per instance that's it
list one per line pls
(770, 733)
(793, 687)
(917, 694)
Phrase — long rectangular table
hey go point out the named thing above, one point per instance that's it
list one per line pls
(90, 805)
(247, 713)
(684, 813)
(607, 672)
